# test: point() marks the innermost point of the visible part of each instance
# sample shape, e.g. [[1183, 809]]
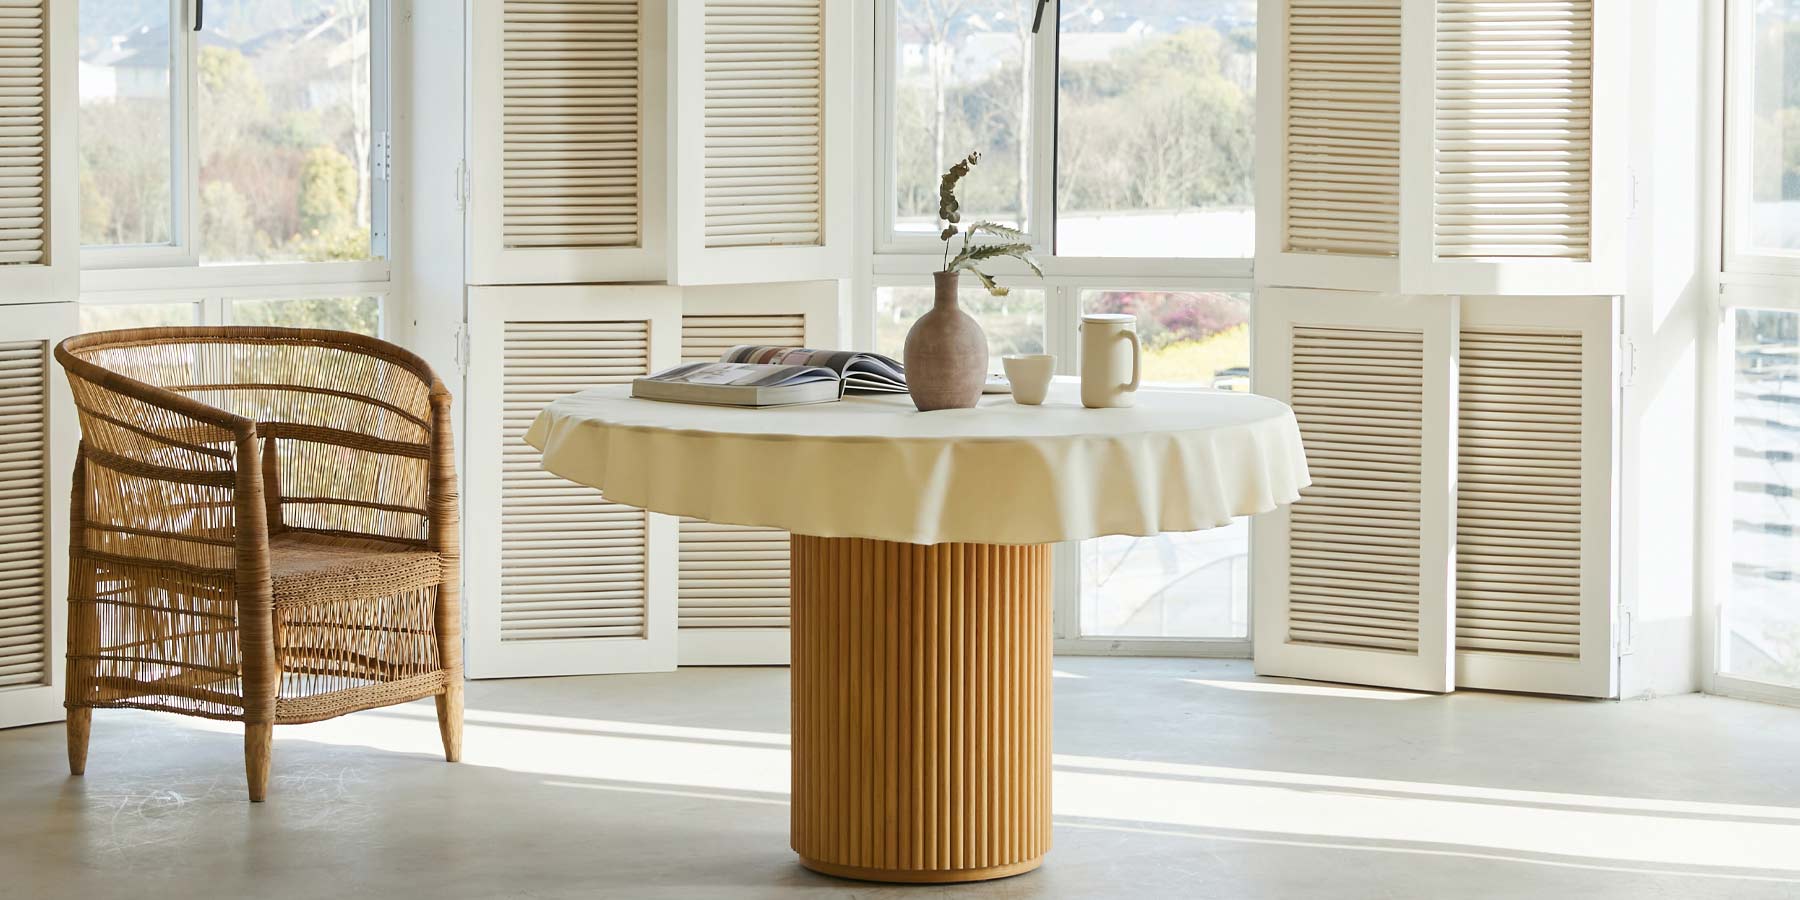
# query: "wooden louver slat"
[[1514, 129], [1519, 492], [1342, 153], [733, 576], [570, 124], [572, 565], [23, 126], [764, 122], [24, 514], [1354, 546]]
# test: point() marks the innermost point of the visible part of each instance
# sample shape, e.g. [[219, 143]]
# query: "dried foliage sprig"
[[1015, 243]]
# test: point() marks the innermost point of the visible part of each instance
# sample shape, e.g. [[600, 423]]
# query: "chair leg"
[[450, 719], [81, 722], [257, 738]]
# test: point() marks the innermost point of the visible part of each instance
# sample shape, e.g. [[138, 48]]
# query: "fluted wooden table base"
[[921, 717]]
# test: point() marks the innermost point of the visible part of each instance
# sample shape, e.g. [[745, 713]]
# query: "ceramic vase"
[[946, 353]]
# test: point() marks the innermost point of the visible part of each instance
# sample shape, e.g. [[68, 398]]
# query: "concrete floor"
[[1175, 778]]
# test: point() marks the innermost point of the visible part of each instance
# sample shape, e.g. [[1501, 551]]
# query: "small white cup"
[[1030, 375]]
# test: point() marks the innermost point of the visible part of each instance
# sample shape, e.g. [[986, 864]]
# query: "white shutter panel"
[[24, 128], [1535, 495], [566, 582], [762, 128], [765, 122], [37, 443], [566, 129], [39, 199], [1523, 153], [24, 513], [1353, 581], [1514, 129], [732, 580], [1329, 213]]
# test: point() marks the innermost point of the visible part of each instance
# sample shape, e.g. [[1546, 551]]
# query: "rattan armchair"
[[264, 530]]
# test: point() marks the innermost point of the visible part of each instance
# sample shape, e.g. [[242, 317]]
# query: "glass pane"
[[1175, 585], [1154, 129], [126, 123], [962, 75], [1772, 220], [105, 317], [1761, 634], [359, 314], [1189, 337], [284, 131], [1013, 323]]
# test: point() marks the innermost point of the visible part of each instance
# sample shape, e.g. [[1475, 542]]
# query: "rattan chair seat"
[[315, 568]]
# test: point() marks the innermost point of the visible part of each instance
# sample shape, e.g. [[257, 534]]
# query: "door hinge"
[[1627, 361], [462, 185], [381, 155], [1623, 641], [462, 349]]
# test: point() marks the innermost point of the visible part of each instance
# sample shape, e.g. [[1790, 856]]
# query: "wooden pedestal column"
[[921, 709]]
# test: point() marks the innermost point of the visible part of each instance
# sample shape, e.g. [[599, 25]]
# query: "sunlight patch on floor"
[[727, 763], [1311, 690]]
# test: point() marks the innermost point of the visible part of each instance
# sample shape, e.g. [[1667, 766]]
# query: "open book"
[[859, 371], [772, 376]]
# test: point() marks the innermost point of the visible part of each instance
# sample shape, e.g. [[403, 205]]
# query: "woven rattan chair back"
[[263, 529]]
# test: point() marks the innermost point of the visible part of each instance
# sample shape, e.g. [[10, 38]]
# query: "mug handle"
[[1137, 357]]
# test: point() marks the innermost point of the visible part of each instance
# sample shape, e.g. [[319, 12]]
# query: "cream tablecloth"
[[873, 467]]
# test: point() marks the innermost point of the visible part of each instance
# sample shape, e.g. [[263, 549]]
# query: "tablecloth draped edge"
[[546, 427]]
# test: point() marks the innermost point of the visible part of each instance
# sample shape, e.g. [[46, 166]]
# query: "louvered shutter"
[[566, 125], [1535, 511], [732, 580], [1442, 146], [561, 581], [762, 128], [1329, 164], [1523, 153], [1353, 581], [39, 197], [37, 442], [24, 121]]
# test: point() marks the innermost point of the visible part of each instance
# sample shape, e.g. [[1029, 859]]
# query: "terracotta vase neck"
[[945, 283]]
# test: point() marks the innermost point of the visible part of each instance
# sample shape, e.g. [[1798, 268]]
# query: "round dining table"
[[921, 579]]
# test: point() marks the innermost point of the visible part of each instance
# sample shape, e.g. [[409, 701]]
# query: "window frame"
[[109, 267], [174, 272], [1741, 280], [1739, 144]]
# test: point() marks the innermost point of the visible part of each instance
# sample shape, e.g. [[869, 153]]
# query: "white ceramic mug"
[[1029, 374], [1111, 360]]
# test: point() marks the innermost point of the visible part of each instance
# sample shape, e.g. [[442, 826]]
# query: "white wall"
[[1665, 316]]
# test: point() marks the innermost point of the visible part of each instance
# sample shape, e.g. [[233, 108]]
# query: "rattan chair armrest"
[[143, 392]]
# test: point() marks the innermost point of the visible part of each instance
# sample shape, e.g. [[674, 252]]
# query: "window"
[[1175, 585], [109, 316], [257, 141], [962, 81], [1760, 628], [1763, 144], [1119, 136], [1153, 129], [1147, 104], [1758, 637], [127, 126], [1013, 323], [359, 314]]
